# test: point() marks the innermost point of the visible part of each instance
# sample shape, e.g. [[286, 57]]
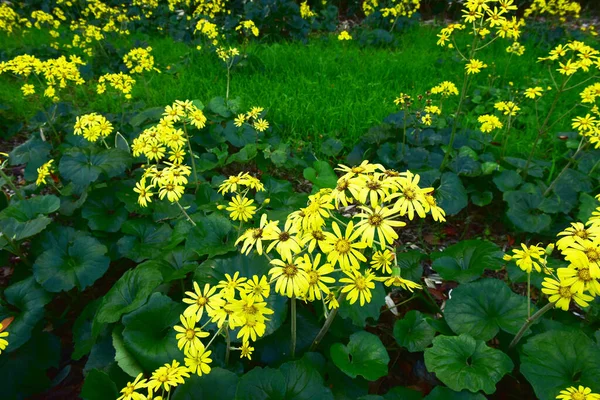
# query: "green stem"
[[293, 323], [215, 336], [528, 323], [455, 124], [228, 344], [414, 296], [186, 214], [10, 183], [187, 137], [529, 294], [327, 324], [579, 148]]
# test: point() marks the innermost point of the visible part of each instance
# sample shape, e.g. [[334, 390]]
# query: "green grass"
[[325, 88]]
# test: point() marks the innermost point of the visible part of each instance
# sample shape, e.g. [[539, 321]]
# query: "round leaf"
[[104, 211], [555, 360], [451, 194], [444, 393], [98, 386], [466, 260], [364, 355], [219, 384], [413, 332], [482, 308], [78, 265], [462, 362]]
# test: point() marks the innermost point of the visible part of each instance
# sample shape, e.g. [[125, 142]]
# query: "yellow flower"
[[400, 282], [145, 195], [529, 258], [290, 278], [261, 125], [254, 236], [374, 188], [3, 342], [317, 279], [578, 276], [239, 120], [188, 334], [256, 288], [231, 284], [168, 376], [246, 350], [532, 93], [411, 198], [344, 35], [241, 208], [172, 191], [561, 294], [129, 391], [577, 230], [200, 300], [383, 260], [358, 286], [431, 206], [475, 66], [380, 220], [43, 173], [344, 249], [28, 89], [489, 123], [286, 241], [197, 360], [580, 393], [252, 328]]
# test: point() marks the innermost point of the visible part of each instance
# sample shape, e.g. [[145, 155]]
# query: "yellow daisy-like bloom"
[[532, 93], [344, 35], [580, 393], [317, 276], [43, 173], [380, 220], [562, 294], [168, 376], [437, 212], [358, 286], [364, 168], [374, 188], [253, 237], [289, 277], [261, 125], [239, 120], [591, 249], [577, 230], [200, 300], [344, 249], [129, 391], [331, 301], [400, 282], [145, 195], [241, 208], [475, 66], [172, 191], [3, 341], [257, 289], [313, 238], [197, 360], [252, 328], [528, 258], [188, 334], [578, 276], [231, 284], [286, 241], [411, 198], [246, 350], [383, 260], [225, 314], [230, 185], [28, 89]]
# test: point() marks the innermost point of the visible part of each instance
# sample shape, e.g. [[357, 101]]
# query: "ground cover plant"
[[281, 200]]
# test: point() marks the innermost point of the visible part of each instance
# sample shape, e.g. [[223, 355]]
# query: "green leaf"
[[121, 143], [444, 393], [588, 204], [480, 309], [83, 339], [451, 194], [128, 293], [123, 356], [149, 335], [84, 166], [507, 180], [465, 261], [462, 362], [402, 393], [332, 147], [32, 150], [78, 264], [16, 230], [364, 355], [360, 314], [27, 300], [247, 153], [98, 386], [556, 360], [294, 380], [413, 332], [28, 209], [410, 264], [219, 384], [143, 239], [321, 175], [481, 199], [524, 210], [104, 211], [212, 236]]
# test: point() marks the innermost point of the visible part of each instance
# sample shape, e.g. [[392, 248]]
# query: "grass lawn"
[[325, 88]]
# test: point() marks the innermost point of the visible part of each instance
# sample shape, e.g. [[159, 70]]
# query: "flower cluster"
[[344, 35], [489, 123], [393, 8], [121, 82], [305, 11], [247, 27], [92, 126], [208, 30], [44, 172], [139, 60], [580, 246], [422, 106], [573, 57], [562, 9], [10, 20], [3, 336], [254, 118], [163, 146], [241, 207], [305, 250]]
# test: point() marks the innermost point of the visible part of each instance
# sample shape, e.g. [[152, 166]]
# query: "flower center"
[[584, 274], [257, 233], [409, 193], [592, 254], [290, 270], [582, 234], [373, 185], [360, 283], [189, 334], [318, 235], [342, 246], [343, 185], [375, 220], [201, 301], [284, 236], [163, 378], [313, 277], [565, 292]]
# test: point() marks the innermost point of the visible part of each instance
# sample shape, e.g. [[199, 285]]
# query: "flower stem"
[[10, 183], [187, 137], [528, 323], [327, 324], [579, 148], [228, 345], [293, 323], [529, 294], [185, 213]]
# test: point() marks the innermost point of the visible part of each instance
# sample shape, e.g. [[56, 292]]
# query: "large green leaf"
[[482, 308], [219, 384], [413, 332], [212, 236], [84, 166], [27, 300], [507, 180], [524, 210], [124, 358], [83, 339], [444, 393], [32, 150], [103, 211], [359, 315], [149, 335], [466, 260], [128, 293], [98, 386], [16, 230], [294, 380], [451, 194], [410, 264], [555, 360], [26, 218], [364, 355], [321, 175], [79, 264], [143, 239], [462, 362]]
